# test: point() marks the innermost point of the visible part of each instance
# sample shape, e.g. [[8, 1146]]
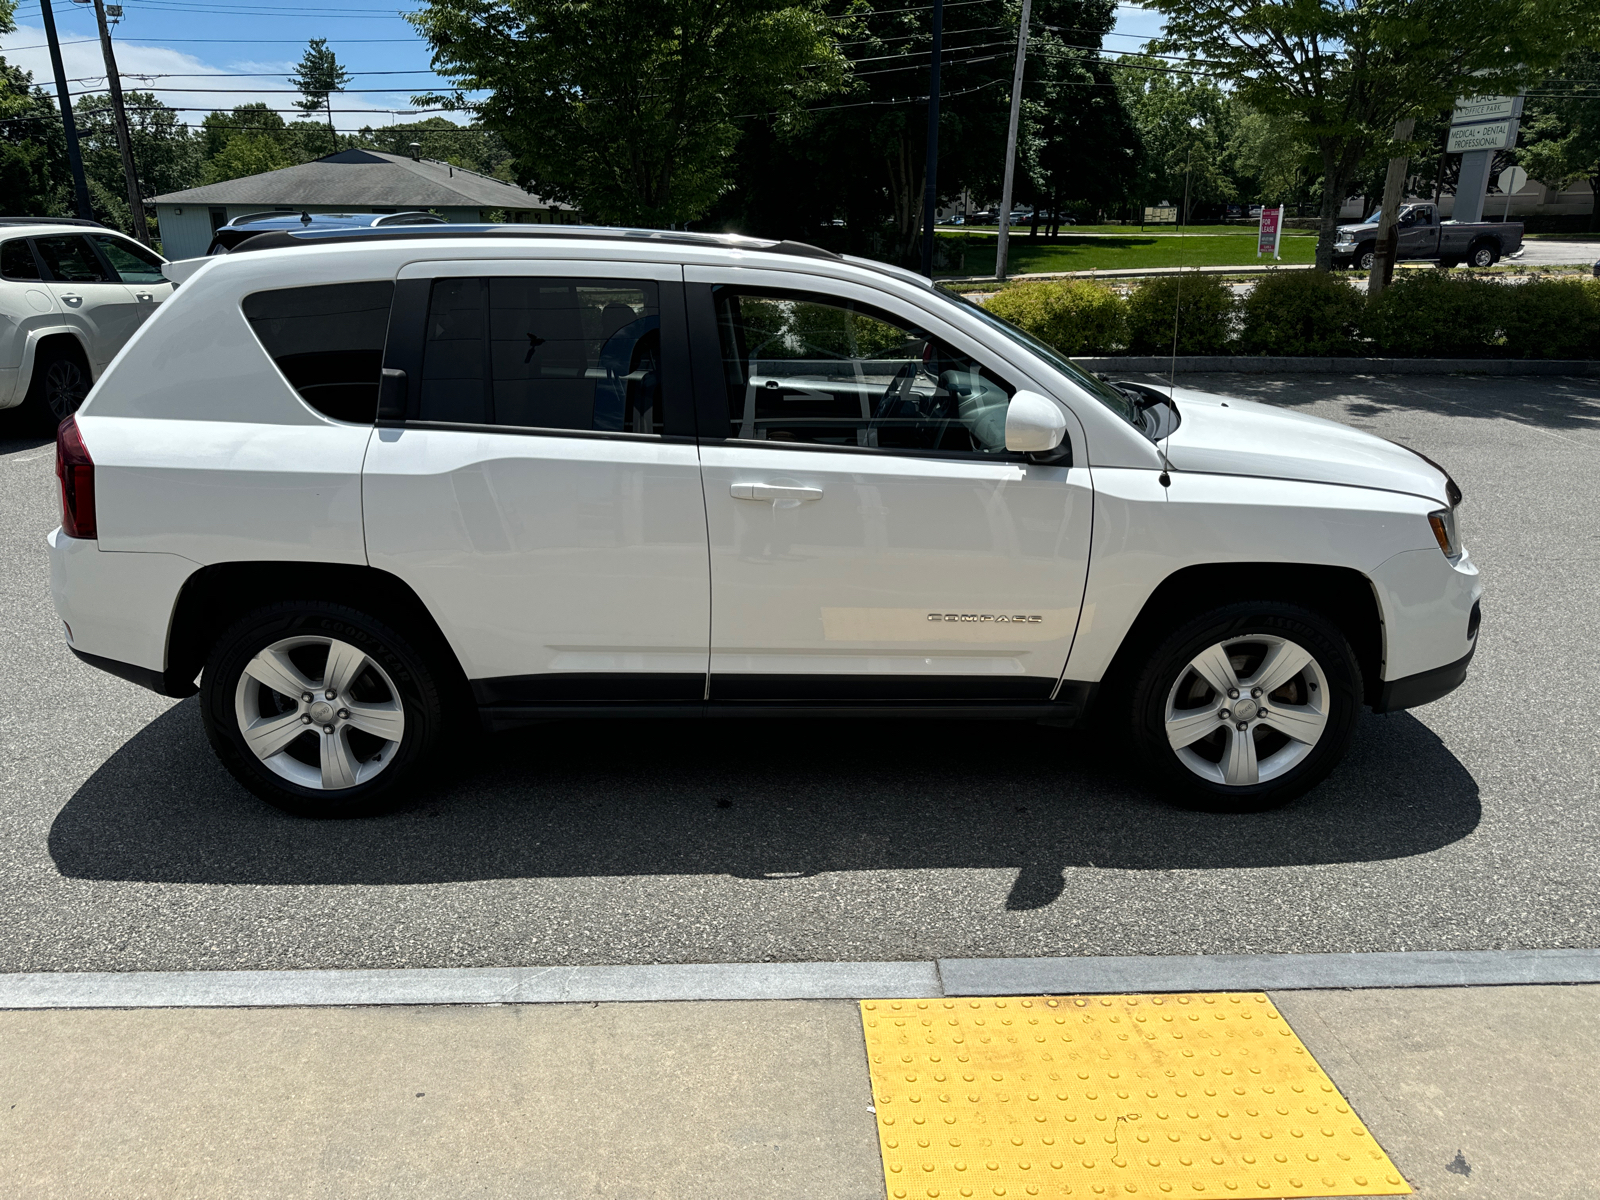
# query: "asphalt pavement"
[[1469, 824]]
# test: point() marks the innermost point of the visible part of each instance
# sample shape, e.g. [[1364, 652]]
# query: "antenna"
[[1177, 302]]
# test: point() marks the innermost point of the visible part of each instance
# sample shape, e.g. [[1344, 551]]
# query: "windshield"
[[1113, 399]]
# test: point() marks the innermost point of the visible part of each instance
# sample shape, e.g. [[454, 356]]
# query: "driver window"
[[822, 371]]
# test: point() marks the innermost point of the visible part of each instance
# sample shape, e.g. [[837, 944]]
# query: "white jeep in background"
[[367, 483], [71, 295]]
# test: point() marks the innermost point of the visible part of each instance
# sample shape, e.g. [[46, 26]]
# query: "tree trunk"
[[905, 190], [1332, 202]]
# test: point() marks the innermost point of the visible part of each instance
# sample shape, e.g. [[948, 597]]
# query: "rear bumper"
[[1424, 687], [116, 607]]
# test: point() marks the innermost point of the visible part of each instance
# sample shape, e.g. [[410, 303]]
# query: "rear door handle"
[[773, 491], [143, 296]]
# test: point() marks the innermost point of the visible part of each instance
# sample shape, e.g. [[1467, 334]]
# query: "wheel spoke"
[[344, 664], [1213, 666], [272, 668], [387, 721], [270, 735], [1239, 764], [338, 764], [1283, 663], [1300, 722], [1189, 727]]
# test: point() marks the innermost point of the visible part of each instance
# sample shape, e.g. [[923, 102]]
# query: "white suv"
[[71, 294], [366, 483]]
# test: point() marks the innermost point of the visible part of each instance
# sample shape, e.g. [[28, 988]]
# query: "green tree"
[[627, 109], [318, 76], [1561, 128], [1348, 69], [439, 138], [1184, 121]]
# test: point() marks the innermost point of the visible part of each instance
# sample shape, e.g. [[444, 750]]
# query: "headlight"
[[1447, 531]]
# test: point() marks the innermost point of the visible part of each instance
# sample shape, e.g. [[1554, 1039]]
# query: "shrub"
[[1301, 312], [1076, 317], [1431, 314], [1204, 306], [1552, 318]]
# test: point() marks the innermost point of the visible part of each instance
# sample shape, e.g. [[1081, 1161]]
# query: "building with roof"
[[350, 181]]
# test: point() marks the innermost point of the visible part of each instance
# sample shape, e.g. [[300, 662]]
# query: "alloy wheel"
[[319, 712], [1367, 260], [1247, 710], [65, 386]]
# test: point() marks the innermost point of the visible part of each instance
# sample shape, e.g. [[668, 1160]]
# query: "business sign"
[[1271, 232], [1491, 135], [1485, 108]]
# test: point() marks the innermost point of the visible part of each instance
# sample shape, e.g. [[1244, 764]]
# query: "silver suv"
[[71, 295]]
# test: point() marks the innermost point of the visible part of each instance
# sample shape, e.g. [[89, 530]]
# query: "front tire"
[[319, 709], [1366, 258], [1248, 706]]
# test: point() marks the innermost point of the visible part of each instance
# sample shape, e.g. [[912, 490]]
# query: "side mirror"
[[1035, 424]]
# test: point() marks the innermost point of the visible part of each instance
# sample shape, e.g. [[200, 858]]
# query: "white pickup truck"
[[1424, 236]]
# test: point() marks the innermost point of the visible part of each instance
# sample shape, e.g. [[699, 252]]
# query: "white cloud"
[[144, 67]]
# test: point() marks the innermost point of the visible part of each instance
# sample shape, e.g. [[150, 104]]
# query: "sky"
[[202, 55]]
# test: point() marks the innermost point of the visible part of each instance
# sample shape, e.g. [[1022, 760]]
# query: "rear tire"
[[1291, 690], [59, 384], [1482, 256], [319, 709]]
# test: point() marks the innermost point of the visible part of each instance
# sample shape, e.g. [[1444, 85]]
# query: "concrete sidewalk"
[[1488, 1091]]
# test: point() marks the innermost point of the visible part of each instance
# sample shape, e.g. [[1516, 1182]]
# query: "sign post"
[[1479, 126], [1270, 235]]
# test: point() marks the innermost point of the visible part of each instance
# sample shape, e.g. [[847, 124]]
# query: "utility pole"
[[1004, 245], [119, 116], [80, 186], [1388, 228], [930, 174]]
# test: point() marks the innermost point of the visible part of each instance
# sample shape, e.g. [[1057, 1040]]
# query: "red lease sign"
[[1271, 225]]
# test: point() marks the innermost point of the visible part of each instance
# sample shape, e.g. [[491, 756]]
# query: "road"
[[1471, 823]]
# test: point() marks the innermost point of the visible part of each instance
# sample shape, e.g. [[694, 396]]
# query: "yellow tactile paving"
[[1110, 1096]]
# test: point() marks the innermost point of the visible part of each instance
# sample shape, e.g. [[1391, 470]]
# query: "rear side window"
[[70, 259], [550, 353], [16, 261], [328, 342], [131, 261]]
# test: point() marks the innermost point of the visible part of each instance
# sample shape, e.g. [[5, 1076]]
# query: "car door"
[[542, 495], [137, 268], [871, 538], [1419, 236], [99, 306]]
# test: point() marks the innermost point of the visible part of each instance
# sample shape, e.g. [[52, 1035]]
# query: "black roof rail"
[[286, 238], [50, 221]]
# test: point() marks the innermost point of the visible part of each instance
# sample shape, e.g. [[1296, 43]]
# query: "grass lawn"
[[1122, 251]]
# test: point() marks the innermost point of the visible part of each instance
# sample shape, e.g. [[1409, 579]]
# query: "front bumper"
[[1424, 687]]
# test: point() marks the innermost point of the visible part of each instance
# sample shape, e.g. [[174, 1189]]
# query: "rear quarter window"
[[328, 342]]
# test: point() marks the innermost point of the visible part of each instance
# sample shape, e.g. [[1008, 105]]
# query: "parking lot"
[[1471, 823]]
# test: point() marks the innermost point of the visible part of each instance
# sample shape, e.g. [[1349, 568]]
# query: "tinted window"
[[804, 368], [16, 261], [131, 261], [69, 259], [328, 342], [544, 353]]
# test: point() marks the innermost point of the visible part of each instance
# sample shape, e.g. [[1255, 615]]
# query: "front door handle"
[[773, 491]]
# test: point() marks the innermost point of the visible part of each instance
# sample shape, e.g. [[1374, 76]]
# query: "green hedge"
[[1075, 317], [1203, 307], [1423, 314], [1301, 313]]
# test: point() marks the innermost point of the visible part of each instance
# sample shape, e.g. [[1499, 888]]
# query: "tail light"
[[75, 470]]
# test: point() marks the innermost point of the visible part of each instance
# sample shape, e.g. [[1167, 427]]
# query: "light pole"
[[80, 186], [1004, 245], [119, 118], [930, 174]]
